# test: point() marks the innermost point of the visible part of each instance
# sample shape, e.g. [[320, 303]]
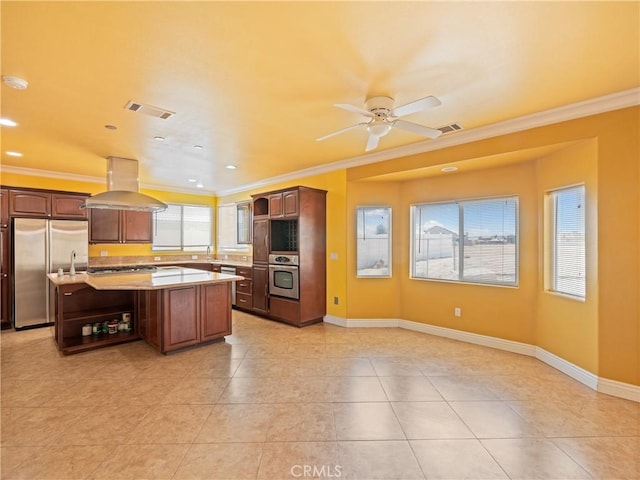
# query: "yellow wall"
[[609, 345], [565, 326]]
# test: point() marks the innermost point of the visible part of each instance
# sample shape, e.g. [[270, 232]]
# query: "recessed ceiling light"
[[449, 169], [198, 147], [192, 180], [159, 138], [15, 82], [110, 127], [231, 167], [6, 122], [14, 154], [199, 185]]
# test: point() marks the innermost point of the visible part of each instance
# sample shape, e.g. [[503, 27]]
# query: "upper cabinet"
[[44, 203], [4, 208], [120, 226], [279, 204]]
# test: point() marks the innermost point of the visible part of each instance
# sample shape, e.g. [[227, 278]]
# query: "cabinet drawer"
[[245, 272], [244, 300], [288, 310], [244, 286]]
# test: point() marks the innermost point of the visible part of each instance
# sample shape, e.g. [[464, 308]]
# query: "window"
[[487, 252], [568, 241], [182, 227], [234, 227], [373, 241]]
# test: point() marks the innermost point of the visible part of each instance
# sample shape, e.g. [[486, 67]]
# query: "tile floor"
[[323, 402]]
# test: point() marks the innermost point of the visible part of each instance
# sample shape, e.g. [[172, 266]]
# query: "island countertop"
[[163, 277]]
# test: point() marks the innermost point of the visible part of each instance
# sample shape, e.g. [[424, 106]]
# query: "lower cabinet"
[[285, 310], [77, 305], [260, 288], [180, 317]]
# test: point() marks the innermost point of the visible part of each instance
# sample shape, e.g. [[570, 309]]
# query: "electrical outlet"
[[194, 257], [156, 259], [104, 253], [457, 312], [335, 300]]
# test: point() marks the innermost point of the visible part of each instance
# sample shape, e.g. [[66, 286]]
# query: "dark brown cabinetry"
[[261, 240], [291, 221], [5, 318], [42, 203], [180, 317], [120, 226], [244, 288], [260, 288], [77, 304]]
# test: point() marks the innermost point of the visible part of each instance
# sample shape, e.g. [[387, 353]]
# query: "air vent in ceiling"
[[454, 127], [149, 110]]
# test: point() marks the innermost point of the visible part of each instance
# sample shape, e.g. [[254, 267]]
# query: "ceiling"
[[254, 84]]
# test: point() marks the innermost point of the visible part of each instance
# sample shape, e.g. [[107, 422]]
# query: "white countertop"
[[163, 277]]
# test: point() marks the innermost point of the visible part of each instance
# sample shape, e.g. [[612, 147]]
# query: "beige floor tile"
[[36, 426], [349, 367], [61, 463], [605, 457], [306, 389], [464, 388], [133, 462], [260, 367], [31, 393], [302, 422], [366, 421], [237, 423], [251, 390], [357, 389], [534, 458], [494, 420], [12, 457], [556, 419], [220, 461], [102, 425], [315, 350], [383, 460], [396, 367], [430, 420], [216, 366], [409, 389], [196, 390], [456, 460], [170, 424], [308, 460]]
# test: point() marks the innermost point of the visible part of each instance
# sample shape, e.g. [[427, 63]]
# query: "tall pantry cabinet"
[[291, 221]]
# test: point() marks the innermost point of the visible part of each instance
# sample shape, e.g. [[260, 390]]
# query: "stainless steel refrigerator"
[[43, 246]]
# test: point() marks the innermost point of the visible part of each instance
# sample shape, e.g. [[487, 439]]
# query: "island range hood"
[[122, 185]]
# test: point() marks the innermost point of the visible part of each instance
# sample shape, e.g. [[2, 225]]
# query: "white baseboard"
[[568, 368], [603, 385], [619, 389]]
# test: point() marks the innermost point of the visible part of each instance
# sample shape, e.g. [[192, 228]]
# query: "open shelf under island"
[[171, 308]]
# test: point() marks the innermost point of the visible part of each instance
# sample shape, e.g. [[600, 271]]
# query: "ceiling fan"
[[383, 117]]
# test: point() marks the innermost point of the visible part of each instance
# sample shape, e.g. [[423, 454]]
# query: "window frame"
[[182, 247], [243, 247], [551, 265], [388, 212], [460, 256]]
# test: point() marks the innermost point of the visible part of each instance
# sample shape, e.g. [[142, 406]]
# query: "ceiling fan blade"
[[342, 130], [372, 142], [416, 106], [419, 129], [353, 108]]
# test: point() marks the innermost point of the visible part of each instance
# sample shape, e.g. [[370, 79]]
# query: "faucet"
[[72, 270], [208, 250]]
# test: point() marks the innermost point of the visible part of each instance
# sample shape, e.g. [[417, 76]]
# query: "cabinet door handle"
[[68, 294]]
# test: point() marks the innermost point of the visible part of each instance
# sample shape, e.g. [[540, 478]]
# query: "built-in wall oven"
[[283, 276]]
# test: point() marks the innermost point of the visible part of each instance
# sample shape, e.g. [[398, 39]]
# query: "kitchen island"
[[170, 308]]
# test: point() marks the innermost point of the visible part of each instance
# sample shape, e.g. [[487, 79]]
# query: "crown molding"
[[594, 106]]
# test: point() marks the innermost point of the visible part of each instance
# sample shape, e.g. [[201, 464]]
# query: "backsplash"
[[165, 259]]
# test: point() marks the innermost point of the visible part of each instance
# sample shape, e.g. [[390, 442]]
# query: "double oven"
[[283, 276]]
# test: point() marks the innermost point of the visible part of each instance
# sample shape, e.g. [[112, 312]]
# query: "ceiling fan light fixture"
[[379, 129]]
